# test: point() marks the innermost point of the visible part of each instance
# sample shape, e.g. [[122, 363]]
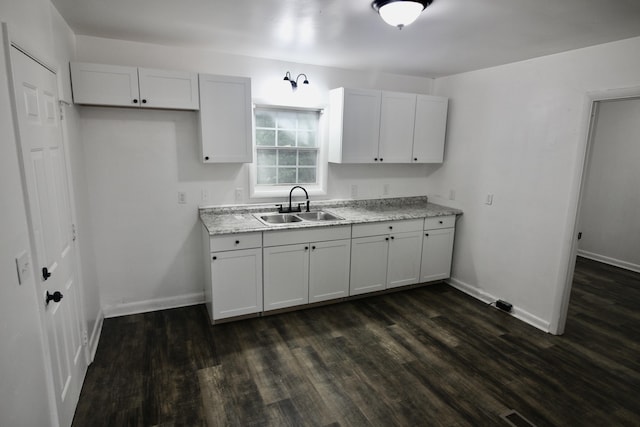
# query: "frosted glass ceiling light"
[[400, 13]]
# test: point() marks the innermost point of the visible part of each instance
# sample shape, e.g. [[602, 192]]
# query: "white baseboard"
[[95, 336], [486, 297], [153, 305], [608, 260]]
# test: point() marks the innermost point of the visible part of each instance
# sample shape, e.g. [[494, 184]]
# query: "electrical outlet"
[[452, 194], [385, 189], [182, 197], [205, 195], [239, 197], [354, 191]]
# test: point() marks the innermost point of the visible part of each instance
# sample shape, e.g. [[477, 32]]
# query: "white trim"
[[95, 336], [608, 260], [570, 241], [486, 297], [153, 305]]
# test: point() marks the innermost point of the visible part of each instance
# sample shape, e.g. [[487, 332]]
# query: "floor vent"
[[513, 418]]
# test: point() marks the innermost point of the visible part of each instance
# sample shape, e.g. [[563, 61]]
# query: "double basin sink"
[[287, 218]]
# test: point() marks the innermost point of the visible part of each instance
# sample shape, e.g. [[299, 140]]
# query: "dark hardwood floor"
[[429, 356]]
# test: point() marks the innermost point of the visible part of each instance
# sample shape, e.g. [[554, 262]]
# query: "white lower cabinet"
[[303, 266], [385, 255], [437, 248], [234, 276]]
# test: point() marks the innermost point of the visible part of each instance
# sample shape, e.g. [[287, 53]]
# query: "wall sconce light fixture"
[[400, 13], [294, 83]]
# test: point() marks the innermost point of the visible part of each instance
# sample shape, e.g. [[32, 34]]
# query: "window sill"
[[280, 192]]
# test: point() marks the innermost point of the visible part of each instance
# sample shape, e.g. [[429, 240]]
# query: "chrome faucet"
[[292, 209]]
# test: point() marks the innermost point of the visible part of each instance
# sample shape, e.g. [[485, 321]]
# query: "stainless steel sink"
[[279, 218], [318, 216], [286, 218]]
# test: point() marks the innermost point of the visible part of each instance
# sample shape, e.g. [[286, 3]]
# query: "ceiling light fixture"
[[294, 83], [399, 13]]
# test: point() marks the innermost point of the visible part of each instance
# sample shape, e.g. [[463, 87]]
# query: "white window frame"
[[278, 191]]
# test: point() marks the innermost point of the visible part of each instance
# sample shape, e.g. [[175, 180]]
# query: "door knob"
[[45, 273], [56, 297]]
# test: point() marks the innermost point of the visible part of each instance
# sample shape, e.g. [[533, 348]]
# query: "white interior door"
[[43, 157]]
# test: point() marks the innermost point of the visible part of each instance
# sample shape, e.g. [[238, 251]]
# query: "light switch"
[[23, 265], [489, 200]]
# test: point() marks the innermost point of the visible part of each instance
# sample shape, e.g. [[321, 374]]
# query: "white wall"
[[610, 212], [516, 131], [136, 162]]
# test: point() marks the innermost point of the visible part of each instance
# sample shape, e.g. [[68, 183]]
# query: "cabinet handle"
[[381, 159], [440, 222], [426, 234], [386, 238], [144, 101], [313, 248], [237, 242], [391, 227], [206, 157], [375, 159], [392, 237], [135, 101], [214, 258], [306, 248], [415, 159]]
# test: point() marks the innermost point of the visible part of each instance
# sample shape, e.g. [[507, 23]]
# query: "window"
[[287, 147]]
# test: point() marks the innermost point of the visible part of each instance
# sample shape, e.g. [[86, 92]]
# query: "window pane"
[[265, 137], [307, 176], [287, 157], [286, 175], [306, 139], [307, 120], [286, 139], [307, 158], [266, 157], [265, 119], [287, 120], [266, 175]]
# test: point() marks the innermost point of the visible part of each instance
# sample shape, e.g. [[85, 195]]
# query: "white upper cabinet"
[[429, 130], [397, 119], [225, 119], [354, 125], [372, 126], [112, 85]]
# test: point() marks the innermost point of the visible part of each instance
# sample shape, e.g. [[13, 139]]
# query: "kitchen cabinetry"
[[437, 248], [302, 266], [385, 255], [112, 85], [225, 119], [234, 276], [372, 126]]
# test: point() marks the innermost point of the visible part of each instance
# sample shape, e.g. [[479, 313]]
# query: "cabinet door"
[[397, 118], [368, 264], [236, 278], [329, 270], [404, 259], [430, 127], [225, 119], [286, 276], [98, 84], [168, 89], [437, 250], [360, 126]]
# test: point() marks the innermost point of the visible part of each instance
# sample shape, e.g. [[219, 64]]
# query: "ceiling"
[[451, 36]]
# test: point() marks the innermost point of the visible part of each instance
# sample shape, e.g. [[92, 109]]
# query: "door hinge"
[[579, 235], [85, 337], [73, 232]]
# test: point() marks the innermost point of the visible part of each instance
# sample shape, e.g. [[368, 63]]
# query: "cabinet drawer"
[[320, 234], [230, 242], [386, 227], [433, 223]]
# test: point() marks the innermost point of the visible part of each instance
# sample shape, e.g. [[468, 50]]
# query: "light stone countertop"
[[239, 218]]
